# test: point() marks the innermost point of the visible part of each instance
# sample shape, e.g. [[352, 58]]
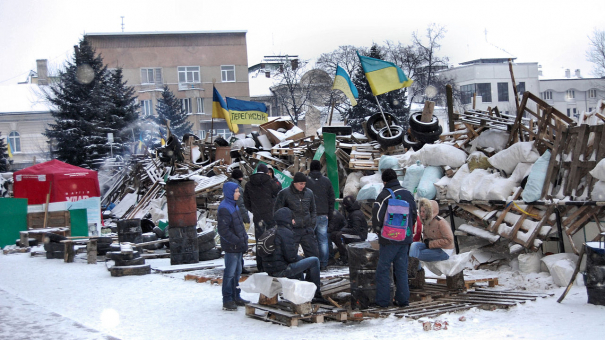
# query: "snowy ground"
[[50, 299]]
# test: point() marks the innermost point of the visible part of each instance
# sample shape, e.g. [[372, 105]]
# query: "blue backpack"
[[396, 219]]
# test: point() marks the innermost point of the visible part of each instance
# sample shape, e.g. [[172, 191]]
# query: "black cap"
[[237, 174], [315, 165], [299, 177], [389, 175], [262, 168]]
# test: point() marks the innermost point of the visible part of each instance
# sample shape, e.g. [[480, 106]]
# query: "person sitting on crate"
[[284, 261], [356, 229]]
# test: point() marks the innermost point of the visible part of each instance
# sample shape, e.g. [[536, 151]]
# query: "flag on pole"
[[219, 110], [343, 82], [246, 112], [10, 154], [383, 76]]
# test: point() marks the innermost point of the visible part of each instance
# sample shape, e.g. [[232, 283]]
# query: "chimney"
[[42, 67], [578, 73], [567, 73]]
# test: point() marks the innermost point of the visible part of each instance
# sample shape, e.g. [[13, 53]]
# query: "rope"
[[525, 212]]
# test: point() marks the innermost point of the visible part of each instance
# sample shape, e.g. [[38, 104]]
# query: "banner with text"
[[245, 112]]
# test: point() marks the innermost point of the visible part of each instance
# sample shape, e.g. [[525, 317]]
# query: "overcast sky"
[[553, 33]]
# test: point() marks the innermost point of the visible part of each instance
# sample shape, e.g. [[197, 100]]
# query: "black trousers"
[[306, 238]]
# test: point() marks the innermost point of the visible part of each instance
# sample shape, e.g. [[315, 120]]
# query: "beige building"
[[187, 62]]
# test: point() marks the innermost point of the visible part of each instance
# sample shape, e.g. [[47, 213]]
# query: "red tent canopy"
[[69, 183]]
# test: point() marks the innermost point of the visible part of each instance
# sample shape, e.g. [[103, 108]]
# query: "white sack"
[[507, 160], [483, 186], [521, 171], [370, 191], [599, 171], [598, 192], [492, 138], [426, 187], [352, 184], [441, 186], [442, 155], [407, 158], [261, 283], [450, 267], [243, 143], [561, 267], [453, 188], [297, 291], [413, 174], [529, 263], [387, 162], [372, 179], [501, 189], [467, 187]]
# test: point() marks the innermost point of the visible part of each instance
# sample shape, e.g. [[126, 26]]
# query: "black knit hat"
[[389, 175], [299, 177], [262, 168], [237, 174], [315, 165], [348, 201]]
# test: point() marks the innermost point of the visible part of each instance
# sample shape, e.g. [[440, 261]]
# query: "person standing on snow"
[[234, 242], [237, 176], [324, 201]]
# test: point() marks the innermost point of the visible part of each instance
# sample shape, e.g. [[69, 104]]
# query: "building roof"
[[487, 61], [22, 98], [163, 33]]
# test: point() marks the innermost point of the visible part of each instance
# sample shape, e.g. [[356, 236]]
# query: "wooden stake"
[[512, 76], [450, 107], [50, 187], [427, 111], [331, 112], [91, 251], [573, 276]]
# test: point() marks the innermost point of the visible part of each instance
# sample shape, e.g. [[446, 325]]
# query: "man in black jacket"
[[259, 198], [302, 203], [285, 261], [324, 201], [356, 226], [395, 252]]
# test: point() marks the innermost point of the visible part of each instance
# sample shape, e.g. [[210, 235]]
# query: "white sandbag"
[[407, 158], [264, 142], [483, 186], [478, 160], [521, 171], [261, 283], [467, 188], [441, 187], [453, 188], [352, 184], [372, 179], [387, 162], [243, 143], [492, 138], [450, 267], [370, 191], [529, 263], [426, 187], [535, 182], [442, 155], [599, 171], [501, 189], [297, 291], [506, 160], [413, 174], [598, 192], [561, 267]]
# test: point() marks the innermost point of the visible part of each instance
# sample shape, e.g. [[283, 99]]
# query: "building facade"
[[187, 62], [573, 95]]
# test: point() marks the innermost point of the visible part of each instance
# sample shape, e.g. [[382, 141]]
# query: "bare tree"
[[345, 56], [426, 73], [596, 53]]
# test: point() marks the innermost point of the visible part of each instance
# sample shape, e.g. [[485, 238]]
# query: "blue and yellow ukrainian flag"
[[247, 112], [343, 82], [10, 153], [219, 110], [383, 76]]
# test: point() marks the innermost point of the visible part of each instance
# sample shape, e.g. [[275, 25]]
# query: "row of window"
[[485, 91], [225, 133], [569, 94], [186, 75], [186, 104]]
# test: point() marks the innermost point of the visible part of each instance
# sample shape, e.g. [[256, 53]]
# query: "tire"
[[52, 246], [386, 140], [409, 144], [211, 254], [375, 123], [417, 124], [147, 225], [427, 137], [206, 236], [50, 237], [203, 247], [55, 255]]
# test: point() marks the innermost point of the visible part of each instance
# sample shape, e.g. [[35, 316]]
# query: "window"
[[502, 92], [570, 94], [15, 141], [228, 73], [146, 108], [572, 110], [200, 104], [151, 76], [592, 93], [225, 133], [485, 91], [575, 112], [201, 134], [467, 93], [189, 74], [521, 87], [186, 104], [547, 95]]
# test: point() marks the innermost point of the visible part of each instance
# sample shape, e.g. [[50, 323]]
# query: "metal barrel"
[[182, 209], [363, 260], [130, 231]]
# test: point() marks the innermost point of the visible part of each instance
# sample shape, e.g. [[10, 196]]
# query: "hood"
[[315, 174], [350, 204], [283, 217], [260, 178], [431, 207], [229, 190]]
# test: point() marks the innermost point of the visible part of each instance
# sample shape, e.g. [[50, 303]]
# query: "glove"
[[426, 242]]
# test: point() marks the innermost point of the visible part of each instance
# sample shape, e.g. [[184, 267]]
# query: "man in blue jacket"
[[392, 252], [234, 242]]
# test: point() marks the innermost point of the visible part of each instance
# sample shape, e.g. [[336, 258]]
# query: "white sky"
[[553, 33]]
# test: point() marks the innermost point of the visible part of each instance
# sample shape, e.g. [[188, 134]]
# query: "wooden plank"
[[494, 226]]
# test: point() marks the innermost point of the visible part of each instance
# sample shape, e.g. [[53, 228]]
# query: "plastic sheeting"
[[450, 267], [370, 191], [561, 267]]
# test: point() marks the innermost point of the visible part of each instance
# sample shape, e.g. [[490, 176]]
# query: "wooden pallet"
[[335, 286], [418, 310], [430, 292], [282, 315], [491, 282]]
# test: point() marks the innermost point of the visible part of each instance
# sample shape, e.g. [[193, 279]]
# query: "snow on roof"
[[259, 84], [22, 98]]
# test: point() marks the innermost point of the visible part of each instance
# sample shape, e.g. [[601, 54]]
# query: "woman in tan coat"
[[438, 239]]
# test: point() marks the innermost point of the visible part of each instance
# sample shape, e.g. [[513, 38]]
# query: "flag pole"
[[212, 120], [331, 111], [384, 117]]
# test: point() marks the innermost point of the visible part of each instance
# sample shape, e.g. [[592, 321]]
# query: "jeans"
[[397, 254], [421, 252], [321, 233], [295, 270], [233, 269]]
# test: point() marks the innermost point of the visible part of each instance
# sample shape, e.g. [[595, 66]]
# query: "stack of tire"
[[207, 246], [128, 263], [377, 130], [103, 245], [421, 132], [363, 260], [53, 246]]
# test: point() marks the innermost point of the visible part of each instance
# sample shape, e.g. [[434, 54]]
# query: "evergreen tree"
[[122, 113], [392, 102], [81, 106], [3, 155], [170, 108]]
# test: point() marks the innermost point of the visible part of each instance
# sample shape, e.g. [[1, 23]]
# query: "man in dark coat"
[[392, 252], [285, 261], [335, 224], [234, 242], [324, 201], [259, 198], [356, 226], [302, 203]]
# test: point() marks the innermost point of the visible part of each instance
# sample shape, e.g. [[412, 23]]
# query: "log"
[[69, 251], [427, 112], [91, 251], [267, 301], [23, 239]]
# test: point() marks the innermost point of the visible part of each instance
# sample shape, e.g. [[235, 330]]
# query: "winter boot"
[[230, 306], [241, 302]]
